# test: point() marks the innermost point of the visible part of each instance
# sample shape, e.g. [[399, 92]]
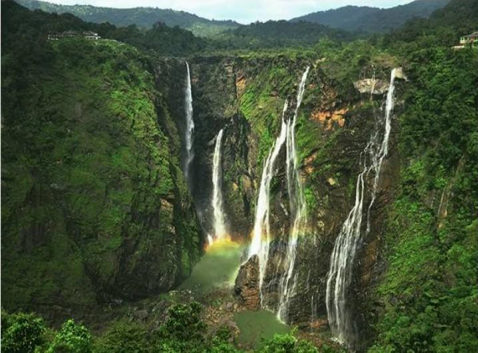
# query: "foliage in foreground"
[[183, 331]]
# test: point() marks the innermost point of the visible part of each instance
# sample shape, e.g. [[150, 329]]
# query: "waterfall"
[[298, 208], [261, 236], [189, 138], [342, 259], [217, 204]]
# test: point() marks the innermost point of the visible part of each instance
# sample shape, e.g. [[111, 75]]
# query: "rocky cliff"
[[246, 96], [94, 205], [96, 209]]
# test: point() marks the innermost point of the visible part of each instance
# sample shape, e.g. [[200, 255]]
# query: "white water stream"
[[346, 245], [219, 223], [261, 236], [298, 208], [189, 133]]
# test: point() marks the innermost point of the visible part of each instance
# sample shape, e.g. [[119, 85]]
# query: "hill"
[[143, 17], [373, 20], [443, 28], [277, 34]]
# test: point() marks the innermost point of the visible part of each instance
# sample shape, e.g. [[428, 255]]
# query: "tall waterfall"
[[261, 236], [217, 203], [298, 207], [342, 260], [189, 138]]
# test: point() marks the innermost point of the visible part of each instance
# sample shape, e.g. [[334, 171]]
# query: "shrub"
[[287, 344], [72, 338], [124, 337], [22, 332]]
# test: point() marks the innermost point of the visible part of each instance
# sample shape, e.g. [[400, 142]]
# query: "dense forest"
[[371, 19], [143, 17], [102, 231]]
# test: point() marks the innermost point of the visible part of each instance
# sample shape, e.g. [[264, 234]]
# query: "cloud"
[[244, 11]]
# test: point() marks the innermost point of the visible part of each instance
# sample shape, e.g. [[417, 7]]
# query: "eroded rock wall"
[[246, 96]]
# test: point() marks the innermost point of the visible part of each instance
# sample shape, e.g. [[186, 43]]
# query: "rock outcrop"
[[246, 97], [246, 287], [372, 86]]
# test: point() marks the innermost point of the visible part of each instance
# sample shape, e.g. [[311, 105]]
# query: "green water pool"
[[217, 268], [256, 326]]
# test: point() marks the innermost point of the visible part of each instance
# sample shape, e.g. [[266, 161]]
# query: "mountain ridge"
[[373, 19], [143, 17]]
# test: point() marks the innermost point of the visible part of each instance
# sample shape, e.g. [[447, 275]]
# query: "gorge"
[[207, 202]]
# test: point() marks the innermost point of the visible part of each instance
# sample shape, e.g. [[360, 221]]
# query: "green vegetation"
[[72, 338], [277, 34], [91, 194], [182, 331], [372, 19], [95, 207], [287, 344], [429, 290], [142, 17], [21, 332]]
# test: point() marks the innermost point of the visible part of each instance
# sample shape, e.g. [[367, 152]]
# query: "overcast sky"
[[244, 11]]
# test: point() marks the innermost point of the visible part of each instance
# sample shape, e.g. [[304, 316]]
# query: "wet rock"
[[371, 86], [246, 288], [400, 74]]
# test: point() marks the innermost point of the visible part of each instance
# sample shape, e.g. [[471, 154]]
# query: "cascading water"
[[220, 230], [189, 138], [261, 236], [341, 263], [298, 208]]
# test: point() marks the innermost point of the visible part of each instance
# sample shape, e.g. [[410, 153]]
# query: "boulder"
[[372, 86], [246, 288]]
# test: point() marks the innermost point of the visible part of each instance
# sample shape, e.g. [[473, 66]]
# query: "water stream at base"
[[346, 245]]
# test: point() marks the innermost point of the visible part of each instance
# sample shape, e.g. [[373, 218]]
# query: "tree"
[[22, 333], [72, 338]]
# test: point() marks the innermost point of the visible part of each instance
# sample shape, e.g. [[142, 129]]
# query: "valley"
[[284, 187]]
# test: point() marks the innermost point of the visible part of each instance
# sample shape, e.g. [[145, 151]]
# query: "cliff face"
[[246, 96], [94, 204], [96, 209], [425, 207], [105, 214]]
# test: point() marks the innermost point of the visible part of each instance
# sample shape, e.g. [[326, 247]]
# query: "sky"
[[243, 11]]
